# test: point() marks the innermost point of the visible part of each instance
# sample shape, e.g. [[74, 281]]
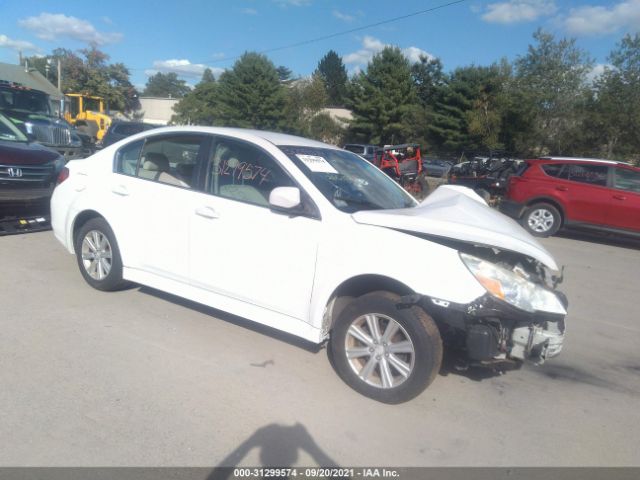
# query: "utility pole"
[[59, 75]]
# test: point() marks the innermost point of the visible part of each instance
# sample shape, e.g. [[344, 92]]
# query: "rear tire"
[[383, 351], [98, 255], [542, 220]]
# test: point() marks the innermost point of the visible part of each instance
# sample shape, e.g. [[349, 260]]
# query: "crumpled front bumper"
[[537, 343], [492, 330]]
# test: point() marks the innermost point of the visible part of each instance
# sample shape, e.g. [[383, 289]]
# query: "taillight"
[[63, 175]]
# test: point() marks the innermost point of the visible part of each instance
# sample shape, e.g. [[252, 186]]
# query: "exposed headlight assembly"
[[511, 287]]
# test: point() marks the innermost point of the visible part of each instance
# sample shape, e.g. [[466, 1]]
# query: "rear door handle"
[[120, 190], [562, 189], [207, 212], [619, 197]]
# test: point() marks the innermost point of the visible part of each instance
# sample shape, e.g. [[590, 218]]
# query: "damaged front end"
[[521, 317]]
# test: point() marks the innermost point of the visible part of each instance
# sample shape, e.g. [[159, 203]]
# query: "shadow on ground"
[[235, 320], [279, 446], [611, 239]]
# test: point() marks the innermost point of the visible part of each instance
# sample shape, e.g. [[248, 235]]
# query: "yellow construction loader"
[[87, 113]]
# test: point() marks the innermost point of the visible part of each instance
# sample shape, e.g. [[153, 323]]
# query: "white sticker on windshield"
[[317, 164]]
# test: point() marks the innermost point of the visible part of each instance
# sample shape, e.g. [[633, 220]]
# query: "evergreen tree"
[[383, 99], [250, 95], [199, 106], [334, 74], [284, 74], [207, 76], [166, 85]]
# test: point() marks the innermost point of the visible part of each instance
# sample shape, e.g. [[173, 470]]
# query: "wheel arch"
[[80, 219], [550, 201], [355, 287]]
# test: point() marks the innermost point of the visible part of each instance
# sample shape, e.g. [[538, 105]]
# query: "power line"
[[336, 34]]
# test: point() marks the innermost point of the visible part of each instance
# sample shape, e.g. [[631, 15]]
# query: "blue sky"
[[187, 36]]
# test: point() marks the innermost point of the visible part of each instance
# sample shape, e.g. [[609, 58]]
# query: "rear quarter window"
[[552, 169]]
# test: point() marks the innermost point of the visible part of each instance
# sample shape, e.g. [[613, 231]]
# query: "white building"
[[157, 110]]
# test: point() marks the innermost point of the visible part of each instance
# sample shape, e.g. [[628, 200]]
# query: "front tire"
[[98, 255], [542, 220], [385, 351]]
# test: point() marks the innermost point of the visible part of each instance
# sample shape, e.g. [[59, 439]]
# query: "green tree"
[[304, 100], [207, 76], [90, 73], [552, 78], [614, 121], [284, 74], [166, 85], [334, 74], [383, 99], [199, 106], [251, 95], [429, 79]]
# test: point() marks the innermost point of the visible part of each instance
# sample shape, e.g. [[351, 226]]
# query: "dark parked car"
[[436, 167], [486, 176], [365, 151], [28, 170], [549, 193], [120, 129]]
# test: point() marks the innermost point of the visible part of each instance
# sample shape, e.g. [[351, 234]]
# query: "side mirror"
[[285, 198]]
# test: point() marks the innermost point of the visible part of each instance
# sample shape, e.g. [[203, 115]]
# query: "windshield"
[[32, 101], [92, 104], [349, 182], [9, 132]]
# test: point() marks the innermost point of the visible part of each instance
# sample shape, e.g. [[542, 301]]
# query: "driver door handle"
[[120, 190], [619, 197], [207, 212], [562, 189]]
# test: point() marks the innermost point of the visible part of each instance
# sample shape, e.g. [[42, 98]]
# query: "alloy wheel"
[[96, 254], [379, 350], [540, 220]]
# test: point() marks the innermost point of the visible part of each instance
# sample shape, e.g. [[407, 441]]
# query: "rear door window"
[[590, 174]]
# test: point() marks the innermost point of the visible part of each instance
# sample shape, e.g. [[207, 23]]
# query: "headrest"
[[155, 162]]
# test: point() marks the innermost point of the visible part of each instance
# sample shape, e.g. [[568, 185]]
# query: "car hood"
[[23, 153], [459, 213]]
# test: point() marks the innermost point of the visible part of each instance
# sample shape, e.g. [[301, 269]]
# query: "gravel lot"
[[141, 378]]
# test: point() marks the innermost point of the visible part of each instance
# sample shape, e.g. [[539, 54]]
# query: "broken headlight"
[[511, 287]]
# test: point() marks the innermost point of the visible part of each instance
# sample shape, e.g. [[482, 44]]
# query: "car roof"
[[279, 139], [582, 160]]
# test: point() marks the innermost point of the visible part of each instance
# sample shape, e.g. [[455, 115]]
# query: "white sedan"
[[313, 240]]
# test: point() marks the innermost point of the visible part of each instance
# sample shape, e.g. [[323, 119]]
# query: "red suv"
[[553, 192]]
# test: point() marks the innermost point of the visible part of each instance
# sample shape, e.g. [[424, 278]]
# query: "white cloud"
[[293, 3], [249, 11], [600, 20], [597, 70], [343, 16], [218, 56], [515, 11], [53, 26], [17, 45], [371, 46], [183, 68]]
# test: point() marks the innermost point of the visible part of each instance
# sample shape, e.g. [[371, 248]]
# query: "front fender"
[[425, 267]]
